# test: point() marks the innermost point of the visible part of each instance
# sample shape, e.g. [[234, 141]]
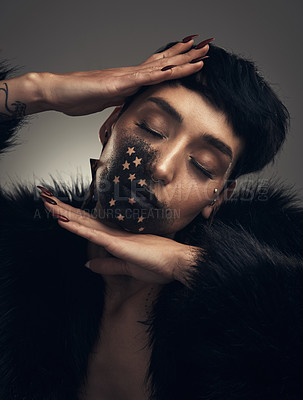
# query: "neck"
[[120, 289]]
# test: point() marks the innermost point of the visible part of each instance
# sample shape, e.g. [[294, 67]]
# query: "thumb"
[[108, 266]]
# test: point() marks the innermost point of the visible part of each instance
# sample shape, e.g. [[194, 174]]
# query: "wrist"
[[22, 95], [36, 86], [29, 89], [187, 260]]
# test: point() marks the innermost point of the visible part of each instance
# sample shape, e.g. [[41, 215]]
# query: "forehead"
[[181, 106]]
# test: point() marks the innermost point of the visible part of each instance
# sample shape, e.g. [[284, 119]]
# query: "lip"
[[144, 201], [143, 197]]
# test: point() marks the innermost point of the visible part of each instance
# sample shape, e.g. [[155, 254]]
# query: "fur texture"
[[236, 334]]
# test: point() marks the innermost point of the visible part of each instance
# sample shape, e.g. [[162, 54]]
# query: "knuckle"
[[188, 56], [154, 57], [136, 75]]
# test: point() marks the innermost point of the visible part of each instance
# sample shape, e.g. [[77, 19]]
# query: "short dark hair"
[[234, 86]]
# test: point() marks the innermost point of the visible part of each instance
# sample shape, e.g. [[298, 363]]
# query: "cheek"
[[108, 150], [188, 195], [187, 199]]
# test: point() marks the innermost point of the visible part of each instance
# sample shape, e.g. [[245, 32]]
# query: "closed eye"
[[146, 128], [201, 168]]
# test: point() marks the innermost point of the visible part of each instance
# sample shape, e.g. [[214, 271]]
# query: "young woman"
[[187, 294]]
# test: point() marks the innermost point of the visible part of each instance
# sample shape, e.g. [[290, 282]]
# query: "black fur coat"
[[236, 334]]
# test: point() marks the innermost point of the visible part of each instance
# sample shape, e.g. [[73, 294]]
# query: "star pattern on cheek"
[[130, 150], [126, 165], [132, 177], [142, 182], [112, 202], [137, 161], [131, 200], [116, 180], [120, 217], [140, 219], [141, 229]]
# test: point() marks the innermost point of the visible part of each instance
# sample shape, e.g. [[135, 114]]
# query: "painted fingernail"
[[87, 264], [168, 67], [188, 38], [204, 43], [44, 190], [198, 59], [63, 218], [48, 200]]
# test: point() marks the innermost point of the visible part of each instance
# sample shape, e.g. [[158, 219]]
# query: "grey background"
[[62, 36]]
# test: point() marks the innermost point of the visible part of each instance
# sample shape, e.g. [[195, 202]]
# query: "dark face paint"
[[125, 190]]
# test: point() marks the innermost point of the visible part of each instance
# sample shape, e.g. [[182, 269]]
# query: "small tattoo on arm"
[[18, 110]]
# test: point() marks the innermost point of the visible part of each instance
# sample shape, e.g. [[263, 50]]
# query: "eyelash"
[[146, 128], [205, 171]]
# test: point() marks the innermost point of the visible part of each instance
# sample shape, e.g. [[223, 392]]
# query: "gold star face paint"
[[125, 190], [126, 165]]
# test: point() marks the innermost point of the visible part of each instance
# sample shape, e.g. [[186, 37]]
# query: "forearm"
[[23, 95]]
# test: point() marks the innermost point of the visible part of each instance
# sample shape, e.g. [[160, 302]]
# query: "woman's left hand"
[[149, 258]]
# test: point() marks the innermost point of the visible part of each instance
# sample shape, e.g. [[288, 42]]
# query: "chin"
[[135, 219]]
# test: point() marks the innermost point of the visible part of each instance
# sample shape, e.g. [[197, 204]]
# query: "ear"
[[213, 206], [106, 128]]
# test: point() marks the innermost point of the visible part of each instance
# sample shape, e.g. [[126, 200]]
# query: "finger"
[[66, 207], [178, 48], [69, 214], [109, 241], [108, 266], [156, 72], [179, 59], [141, 78], [83, 218], [184, 58], [181, 71], [119, 244]]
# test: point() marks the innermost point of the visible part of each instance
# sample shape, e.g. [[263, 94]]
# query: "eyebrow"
[[206, 137], [167, 108], [218, 144]]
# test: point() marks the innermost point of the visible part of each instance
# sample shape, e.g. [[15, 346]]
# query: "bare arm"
[[21, 96], [87, 92]]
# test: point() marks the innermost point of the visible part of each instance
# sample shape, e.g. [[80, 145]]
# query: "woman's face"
[[166, 155]]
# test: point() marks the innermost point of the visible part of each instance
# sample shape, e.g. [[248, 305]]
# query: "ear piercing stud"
[[214, 200]]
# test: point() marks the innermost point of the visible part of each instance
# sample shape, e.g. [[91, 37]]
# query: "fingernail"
[[87, 264], [44, 190], [188, 38], [204, 43], [168, 67], [63, 218], [198, 59], [48, 200]]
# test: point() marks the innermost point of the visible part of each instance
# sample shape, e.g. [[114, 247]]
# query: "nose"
[[168, 162]]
